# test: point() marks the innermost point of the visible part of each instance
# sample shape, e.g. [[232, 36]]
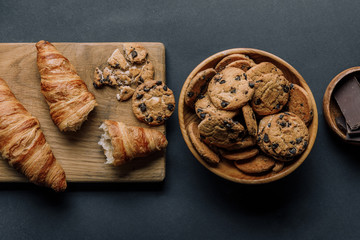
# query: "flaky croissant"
[[67, 95], [23, 144], [123, 143]]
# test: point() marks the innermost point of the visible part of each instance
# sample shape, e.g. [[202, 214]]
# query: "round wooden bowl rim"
[[327, 98], [314, 124]]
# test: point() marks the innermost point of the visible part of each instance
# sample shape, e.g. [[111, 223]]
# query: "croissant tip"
[[41, 43]]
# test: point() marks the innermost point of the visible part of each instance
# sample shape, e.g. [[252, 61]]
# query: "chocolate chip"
[[259, 81], [292, 142], [199, 110], [165, 88], [134, 54], [282, 124], [139, 96], [171, 107], [286, 113], [292, 150], [222, 81], [288, 124], [142, 107], [159, 83], [269, 124], [286, 88], [299, 140], [202, 115], [301, 104], [266, 138], [251, 84], [146, 89], [233, 90], [190, 94], [305, 144], [149, 119], [291, 86], [237, 78], [246, 92], [259, 139], [96, 86], [275, 145], [224, 104], [201, 96], [228, 125], [258, 101], [141, 80], [159, 119], [277, 106], [217, 79], [245, 76], [281, 116]]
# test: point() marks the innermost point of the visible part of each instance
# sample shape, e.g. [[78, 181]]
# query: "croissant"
[[123, 143], [23, 144], [65, 92]]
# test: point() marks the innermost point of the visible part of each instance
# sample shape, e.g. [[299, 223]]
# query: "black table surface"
[[320, 200]]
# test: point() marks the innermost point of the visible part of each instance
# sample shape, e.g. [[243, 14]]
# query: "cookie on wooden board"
[[153, 102], [135, 53]]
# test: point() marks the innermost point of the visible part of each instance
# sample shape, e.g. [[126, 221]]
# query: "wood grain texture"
[[330, 107], [78, 153], [226, 169]]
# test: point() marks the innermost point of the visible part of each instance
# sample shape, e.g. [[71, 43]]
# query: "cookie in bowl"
[[249, 116]]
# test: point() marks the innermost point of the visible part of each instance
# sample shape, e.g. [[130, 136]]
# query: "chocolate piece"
[[347, 97], [352, 133], [341, 123]]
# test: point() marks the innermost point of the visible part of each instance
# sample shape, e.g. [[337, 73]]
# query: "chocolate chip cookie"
[[135, 53], [239, 154], [256, 165], [232, 58], [250, 119], [198, 86], [271, 94], [204, 151], [245, 142], [300, 103], [230, 89], [284, 137], [220, 131], [263, 68], [242, 64], [205, 108], [146, 73], [153, 102], [117, 60]]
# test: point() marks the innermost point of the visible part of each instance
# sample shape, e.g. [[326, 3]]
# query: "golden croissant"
[[123, 143], [23, 144], [65, 92]]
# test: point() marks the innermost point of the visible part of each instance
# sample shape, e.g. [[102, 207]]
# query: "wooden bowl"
[[330, 108], [226, 169]]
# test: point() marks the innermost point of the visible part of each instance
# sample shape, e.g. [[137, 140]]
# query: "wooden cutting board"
[[79, 154]]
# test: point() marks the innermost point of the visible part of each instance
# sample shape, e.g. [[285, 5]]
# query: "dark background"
[[320, 200]]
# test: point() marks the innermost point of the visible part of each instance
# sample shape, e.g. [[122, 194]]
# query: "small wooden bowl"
[[226, 169], [330, 108]]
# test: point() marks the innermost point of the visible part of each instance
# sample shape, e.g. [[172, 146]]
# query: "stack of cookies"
[[249, 114]]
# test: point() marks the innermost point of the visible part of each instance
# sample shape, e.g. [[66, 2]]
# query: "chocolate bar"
[[347, 97]]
